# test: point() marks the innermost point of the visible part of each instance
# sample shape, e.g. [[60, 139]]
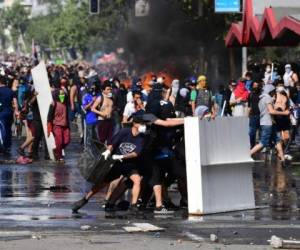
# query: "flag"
[[34, 54]]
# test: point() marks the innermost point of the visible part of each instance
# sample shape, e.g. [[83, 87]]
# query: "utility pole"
[[244, 60]]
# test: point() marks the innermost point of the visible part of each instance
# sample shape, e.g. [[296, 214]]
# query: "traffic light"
[[94, 6]]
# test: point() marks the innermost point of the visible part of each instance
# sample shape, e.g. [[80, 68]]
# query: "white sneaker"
[[288, 157]]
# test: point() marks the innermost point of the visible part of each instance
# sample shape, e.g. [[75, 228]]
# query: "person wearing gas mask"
[[289, 77], [58, 123], [103, 108], [91, 119], [125, 149], [268, 78]]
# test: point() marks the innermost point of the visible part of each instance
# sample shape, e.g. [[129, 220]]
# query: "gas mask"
[[142, 129]]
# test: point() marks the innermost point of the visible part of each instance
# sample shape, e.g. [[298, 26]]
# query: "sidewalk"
[[113, 242]]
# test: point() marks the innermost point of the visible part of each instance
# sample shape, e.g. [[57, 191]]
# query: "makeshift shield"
[[92, 165]]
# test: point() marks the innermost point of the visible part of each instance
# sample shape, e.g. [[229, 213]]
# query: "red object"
[[265, 32], [62, 139], [241, 92], [49, 128]]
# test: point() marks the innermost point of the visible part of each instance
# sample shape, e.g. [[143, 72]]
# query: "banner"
[[44, 99]]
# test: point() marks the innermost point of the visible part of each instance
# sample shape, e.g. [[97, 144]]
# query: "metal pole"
[[244, 60]]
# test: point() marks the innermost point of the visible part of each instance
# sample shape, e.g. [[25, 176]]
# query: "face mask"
[[268, 70], [61, 98], [142, 129], [109, 95], [288, 71]]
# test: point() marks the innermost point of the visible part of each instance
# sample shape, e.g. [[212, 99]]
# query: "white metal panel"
[[219, 166], [44, 98], [227, 188], [193, 165], [224, 140]]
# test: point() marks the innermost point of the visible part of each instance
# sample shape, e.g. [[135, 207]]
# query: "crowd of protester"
[[142, 125]]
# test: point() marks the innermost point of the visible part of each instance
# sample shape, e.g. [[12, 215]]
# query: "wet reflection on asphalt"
[[41, 195]]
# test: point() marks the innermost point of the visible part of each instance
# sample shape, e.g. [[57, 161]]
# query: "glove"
[[106, 154], [49, 128], [118, 157]]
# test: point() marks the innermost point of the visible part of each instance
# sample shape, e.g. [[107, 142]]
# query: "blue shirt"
[[90, 117]]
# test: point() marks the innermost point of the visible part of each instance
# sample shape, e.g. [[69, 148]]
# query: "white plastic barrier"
[[44, 99], [219, 166]]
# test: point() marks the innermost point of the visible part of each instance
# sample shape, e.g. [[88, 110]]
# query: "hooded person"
[[268, 129], [289, 77], [58, 123], [154, 98], [239, 99], [174, 91], [136, 87]]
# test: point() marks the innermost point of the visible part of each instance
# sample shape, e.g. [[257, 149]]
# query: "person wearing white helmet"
[[289, 77]]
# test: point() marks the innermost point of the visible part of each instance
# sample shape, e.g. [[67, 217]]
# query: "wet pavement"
[[38, 197]]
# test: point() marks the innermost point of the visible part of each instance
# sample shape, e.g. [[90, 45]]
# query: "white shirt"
[[129, 109], [287, 78], [129, 97]]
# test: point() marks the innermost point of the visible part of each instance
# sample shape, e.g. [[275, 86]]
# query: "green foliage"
[[16, 17], [71, 25]]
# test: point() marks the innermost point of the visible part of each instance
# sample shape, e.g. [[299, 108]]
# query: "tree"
[[16, 18], [3, 37]]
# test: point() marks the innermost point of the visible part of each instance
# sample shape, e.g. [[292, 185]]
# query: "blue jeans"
[[253, 128], [7, 120], [269, 135]]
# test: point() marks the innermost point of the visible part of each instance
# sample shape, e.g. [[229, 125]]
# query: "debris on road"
[[147, 227], [143, 227], [279, 243], [213, 238], [36, 236], [85, 227]]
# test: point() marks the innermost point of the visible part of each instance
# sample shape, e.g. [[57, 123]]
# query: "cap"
[[201, 78], [288, 66]]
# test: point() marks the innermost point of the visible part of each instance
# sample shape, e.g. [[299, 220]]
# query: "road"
[[36, 199]]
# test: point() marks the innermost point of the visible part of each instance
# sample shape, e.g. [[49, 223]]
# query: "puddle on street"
[[277, 189]]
